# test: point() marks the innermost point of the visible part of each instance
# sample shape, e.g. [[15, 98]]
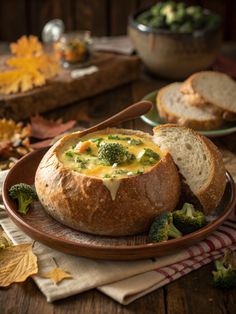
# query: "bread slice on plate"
[[215, 88], [173, 106], [199, 161]]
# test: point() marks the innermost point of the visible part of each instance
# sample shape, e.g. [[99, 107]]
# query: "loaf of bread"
[[174, 107], [215, 88], [198, 160]]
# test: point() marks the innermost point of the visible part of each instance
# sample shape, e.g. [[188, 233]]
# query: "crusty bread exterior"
[[211, 191], [214, 88], [84, 202], [173, 106]]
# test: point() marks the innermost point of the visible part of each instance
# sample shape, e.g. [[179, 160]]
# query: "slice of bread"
[[215, 88], [199, 161], [173, 106]]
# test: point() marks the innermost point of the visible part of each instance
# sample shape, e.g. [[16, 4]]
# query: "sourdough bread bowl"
[[115, 199]]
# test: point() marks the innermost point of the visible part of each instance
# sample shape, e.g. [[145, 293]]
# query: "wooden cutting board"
[[114, 70]]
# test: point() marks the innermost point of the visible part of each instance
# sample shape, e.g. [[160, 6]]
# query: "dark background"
[[102, 17]]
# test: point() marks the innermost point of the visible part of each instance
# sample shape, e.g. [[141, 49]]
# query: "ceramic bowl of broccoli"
[[175, 40]]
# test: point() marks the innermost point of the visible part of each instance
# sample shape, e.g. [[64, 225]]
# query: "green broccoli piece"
[[156, 9], [24, 194], [111, 153], [194, 10], [225, 274], [96, 140], [188, 219], [163, 228], [148, 157], [213, 21]]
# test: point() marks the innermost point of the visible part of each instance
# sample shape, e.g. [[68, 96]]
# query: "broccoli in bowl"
[[178, 17]]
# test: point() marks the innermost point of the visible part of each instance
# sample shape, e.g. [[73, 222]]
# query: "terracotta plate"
[[152, 118], [41, 227]]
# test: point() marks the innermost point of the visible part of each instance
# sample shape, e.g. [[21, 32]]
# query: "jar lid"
[[53, 30]]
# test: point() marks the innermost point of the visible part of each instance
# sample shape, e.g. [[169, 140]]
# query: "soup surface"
[[111, 156]]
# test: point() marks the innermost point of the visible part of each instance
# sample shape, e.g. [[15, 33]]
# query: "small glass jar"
[[74, 49]]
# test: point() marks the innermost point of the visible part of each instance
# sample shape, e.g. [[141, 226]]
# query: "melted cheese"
[[88, 163], [112, 185]]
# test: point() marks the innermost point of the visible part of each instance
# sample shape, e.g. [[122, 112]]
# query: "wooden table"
[[191, 294]]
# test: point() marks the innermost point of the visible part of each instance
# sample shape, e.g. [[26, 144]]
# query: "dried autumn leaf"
[[30, 67], [12, 131], [26, 46], [4, 241], [17, 263], [42, 128], [57, 275]]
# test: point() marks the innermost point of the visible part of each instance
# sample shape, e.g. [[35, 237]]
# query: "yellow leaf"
[[30, 67], [57, 275], [17, 263], [4, 241], [26, 46]]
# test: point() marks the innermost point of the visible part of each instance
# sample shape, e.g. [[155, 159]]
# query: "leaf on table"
[[57, 275], [26, 46], [4, 241], [17, 263], [29, 67], [42, 128], [14, 142]]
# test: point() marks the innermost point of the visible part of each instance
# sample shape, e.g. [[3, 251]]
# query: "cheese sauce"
[[94, 156]]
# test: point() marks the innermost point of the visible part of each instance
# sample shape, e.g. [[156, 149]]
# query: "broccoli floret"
[[225, 274], [188, 219], [163, 228], [148, 157], [111, 153], [24, 194]]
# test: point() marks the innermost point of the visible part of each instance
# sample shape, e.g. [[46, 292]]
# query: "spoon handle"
[[132, 112]]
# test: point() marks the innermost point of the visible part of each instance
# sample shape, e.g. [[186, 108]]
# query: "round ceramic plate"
[[43, 228], [152, 118]]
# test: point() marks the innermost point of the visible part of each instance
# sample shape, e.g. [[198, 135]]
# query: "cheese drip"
[[112, 185]]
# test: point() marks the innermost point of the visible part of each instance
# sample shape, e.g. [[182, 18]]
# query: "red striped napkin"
[[202, 253]]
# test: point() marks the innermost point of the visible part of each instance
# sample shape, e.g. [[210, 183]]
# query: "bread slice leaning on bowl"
[[198, 160], [111, 207]]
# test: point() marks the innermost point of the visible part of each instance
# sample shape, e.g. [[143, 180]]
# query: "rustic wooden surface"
[[113, 70], [103, 17], [191, 294]]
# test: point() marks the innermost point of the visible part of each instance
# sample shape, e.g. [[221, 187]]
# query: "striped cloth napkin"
[[122, 281]]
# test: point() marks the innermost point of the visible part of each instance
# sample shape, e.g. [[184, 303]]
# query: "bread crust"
[[211, 195], [84, 203], [191, 123], [189, 88]]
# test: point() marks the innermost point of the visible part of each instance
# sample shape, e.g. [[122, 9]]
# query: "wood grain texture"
[[91, 15], [119, 14], [63, 90], [40, 12], [103, 17], [13, 19]]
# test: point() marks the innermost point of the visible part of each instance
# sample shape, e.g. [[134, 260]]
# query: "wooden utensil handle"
[[132, 112]]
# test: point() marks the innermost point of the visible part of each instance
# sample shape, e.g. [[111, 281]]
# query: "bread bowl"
[[100, 198]]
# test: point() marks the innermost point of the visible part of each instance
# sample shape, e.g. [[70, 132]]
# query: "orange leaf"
[[30, 67], [26, 46], [17, 263], [57, 275]]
